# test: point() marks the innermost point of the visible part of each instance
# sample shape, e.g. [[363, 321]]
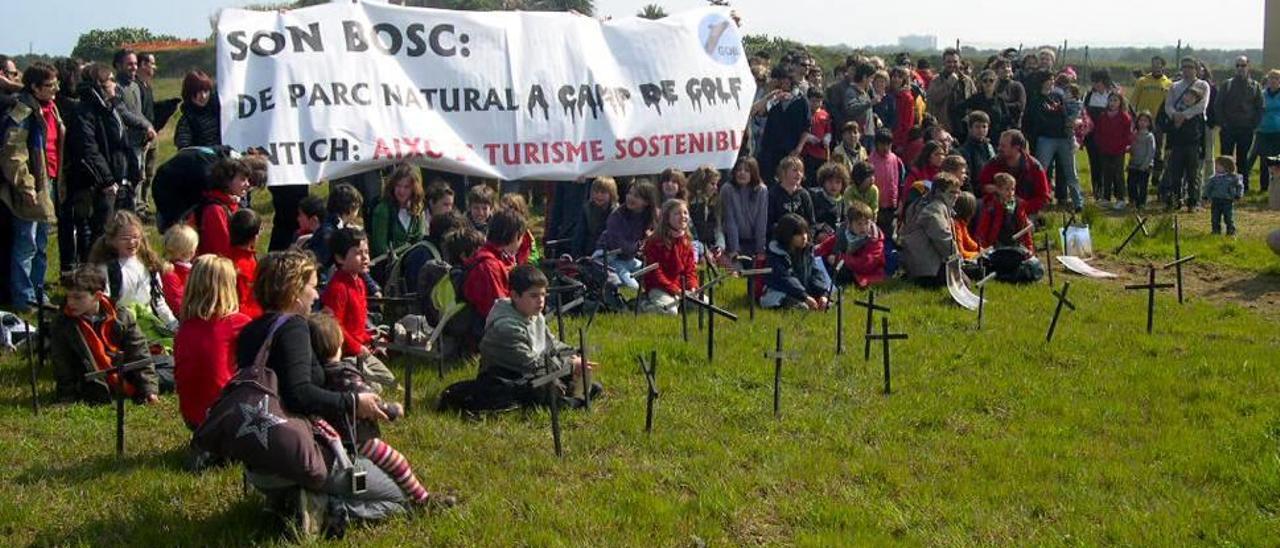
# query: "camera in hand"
[[393, 411]]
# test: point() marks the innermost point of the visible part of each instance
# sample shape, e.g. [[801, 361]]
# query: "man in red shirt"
[[1012, 158]]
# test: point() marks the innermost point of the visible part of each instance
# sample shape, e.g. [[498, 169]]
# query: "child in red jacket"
[[858, 244], [1002, 215], [1112, 135], [245, 227], [204, 354], [230, 181], [179, 248], [346, 298], [671, 248]]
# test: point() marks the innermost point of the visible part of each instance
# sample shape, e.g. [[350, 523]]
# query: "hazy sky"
[[52, 26]]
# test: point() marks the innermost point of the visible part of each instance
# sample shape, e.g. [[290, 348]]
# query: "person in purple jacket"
[[626, 228]]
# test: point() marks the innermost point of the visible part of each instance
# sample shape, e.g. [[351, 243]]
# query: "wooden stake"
[[1151, 286], [885, 337], [1057, 311]]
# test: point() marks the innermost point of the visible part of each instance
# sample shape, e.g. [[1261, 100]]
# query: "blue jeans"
[[27, 268], [623, 268], [1062, 150]]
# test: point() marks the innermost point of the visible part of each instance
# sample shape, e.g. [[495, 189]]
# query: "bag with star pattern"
[[248, 424]]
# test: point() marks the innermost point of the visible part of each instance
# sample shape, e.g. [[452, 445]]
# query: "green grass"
[[1105, 436]]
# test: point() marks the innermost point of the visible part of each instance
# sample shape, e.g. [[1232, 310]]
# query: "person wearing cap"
[[1185, 105]]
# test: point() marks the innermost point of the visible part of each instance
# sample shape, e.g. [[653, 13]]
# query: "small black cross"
[[750, 275], [885, 336], [118, 392], [872, 307], [1057, 311], [586, 370], [1048, 258], [684, 310], [982, 296], [1151, 286], [650, 372], [839, 321], [709, 307], [778, 356], [1140, 227], [1178, 259]]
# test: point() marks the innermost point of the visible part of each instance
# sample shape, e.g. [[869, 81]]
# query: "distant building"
[[918, 42]]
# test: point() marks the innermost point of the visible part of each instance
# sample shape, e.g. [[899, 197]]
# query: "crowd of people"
[[891, 170]]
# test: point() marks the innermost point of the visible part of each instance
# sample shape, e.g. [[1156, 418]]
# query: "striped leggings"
[[396, 466]]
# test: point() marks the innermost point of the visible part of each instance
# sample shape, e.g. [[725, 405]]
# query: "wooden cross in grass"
[[872, 308], [982, 296], [1141, 226], [1151, 286], [119, 371], [548, 380], [778, 355], [1057, 311], [750, 275], [649, 369], [1178, 259], [884, 337]]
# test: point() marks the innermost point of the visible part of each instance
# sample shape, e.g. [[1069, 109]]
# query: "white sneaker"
[[1120, 205]]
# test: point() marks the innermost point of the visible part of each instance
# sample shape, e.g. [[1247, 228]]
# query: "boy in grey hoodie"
[[517, 345]]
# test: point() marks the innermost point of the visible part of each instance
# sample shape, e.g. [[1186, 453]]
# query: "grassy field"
[[1106, 435]]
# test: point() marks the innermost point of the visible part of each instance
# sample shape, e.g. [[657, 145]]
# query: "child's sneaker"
[[1120, 205]]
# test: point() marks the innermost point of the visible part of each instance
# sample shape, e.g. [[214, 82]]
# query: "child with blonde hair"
[[704, 213], [180, 243], [204, 349]]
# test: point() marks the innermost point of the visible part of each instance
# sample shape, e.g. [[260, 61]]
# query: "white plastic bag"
[[1076, 241]]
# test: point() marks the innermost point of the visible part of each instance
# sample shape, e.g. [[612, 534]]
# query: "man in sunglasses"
[[10, 82], [1239, 106]]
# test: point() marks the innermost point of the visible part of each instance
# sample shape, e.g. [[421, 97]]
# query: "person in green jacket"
[[397, 219]]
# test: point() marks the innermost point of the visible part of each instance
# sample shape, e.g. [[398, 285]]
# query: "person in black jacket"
[[786, 121], [200, 124], [286, 284], [73, 209], [97, 161]]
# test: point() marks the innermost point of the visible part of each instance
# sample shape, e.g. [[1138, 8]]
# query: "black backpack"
[[179, 184]]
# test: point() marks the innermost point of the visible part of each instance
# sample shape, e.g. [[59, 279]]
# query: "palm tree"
[[652, 11]]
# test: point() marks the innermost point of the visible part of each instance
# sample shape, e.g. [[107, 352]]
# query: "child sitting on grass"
[[788, 196], [245, 227], [704, 214], [603, 202], [517, 343], [133, 273], [92, 335], [311, 214], [1003, 215], [341, 376], [862, 187], [529, 253], [1221, 191], [179, 248], [828, 198], [481, 200], [798, 280], [671, 248], [204, 350], [346, 298], [626, 228], [859, 244], [397, 220]]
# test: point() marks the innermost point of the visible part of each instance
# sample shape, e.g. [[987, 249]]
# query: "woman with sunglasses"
[[987, 100]]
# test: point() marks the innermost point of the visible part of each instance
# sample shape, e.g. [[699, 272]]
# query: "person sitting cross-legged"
[[518, 347]]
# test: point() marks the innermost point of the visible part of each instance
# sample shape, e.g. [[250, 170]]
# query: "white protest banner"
[[341, 88]]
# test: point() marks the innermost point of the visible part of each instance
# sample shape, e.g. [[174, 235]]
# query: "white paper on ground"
[[958, 285], [1077, 265]]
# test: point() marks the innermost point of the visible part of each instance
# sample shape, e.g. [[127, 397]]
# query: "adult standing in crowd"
[[1212, 124], [1011, 90], [786, 121], [1095, 105], [30, 162], [1185, 106], [1239, 106], [97, 157], [10, 82], [200, 124], [948, 91], [138, 133], [74, 209], [286, 284], [1267, 140], [988, 100], [859, 103], [1148, 95]]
